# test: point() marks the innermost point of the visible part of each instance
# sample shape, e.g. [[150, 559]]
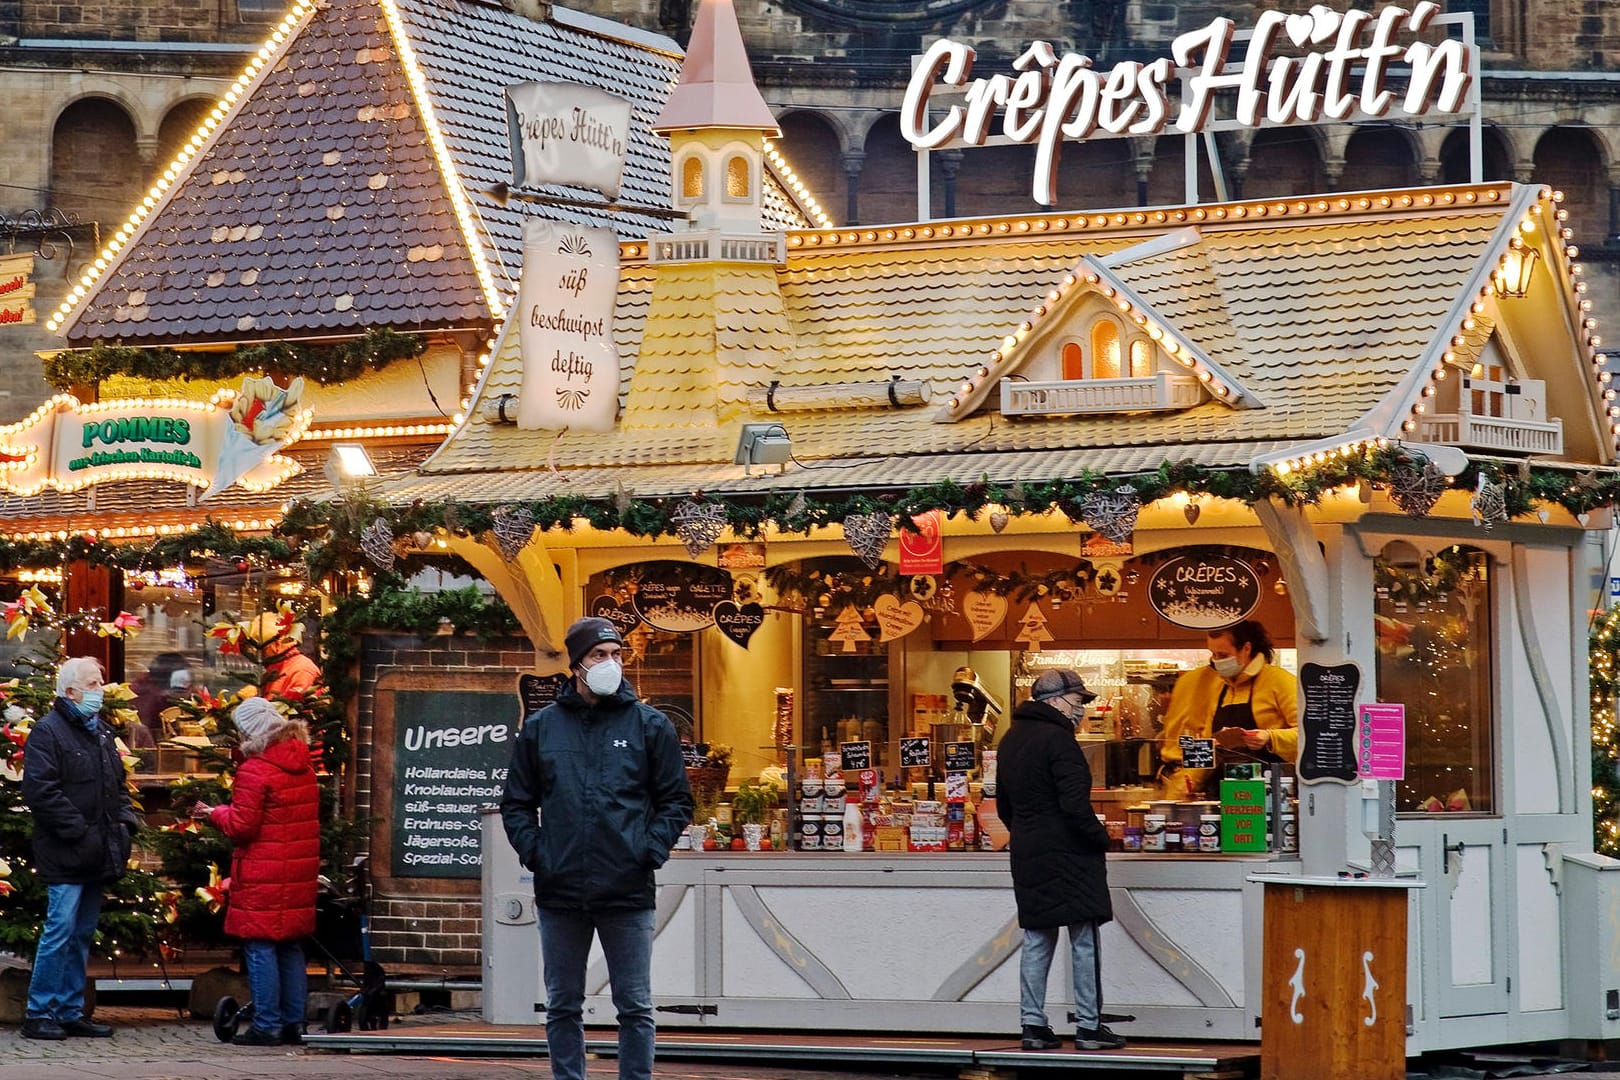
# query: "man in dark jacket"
[[84, 827], [595, 798], [1059, 866]]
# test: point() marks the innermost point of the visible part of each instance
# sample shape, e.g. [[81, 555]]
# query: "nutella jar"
[[1152, 832]]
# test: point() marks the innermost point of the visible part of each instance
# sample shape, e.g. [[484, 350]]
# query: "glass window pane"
[[1104, 350], [1073, 361], [737, 186], [1141, 360], [1434, 657], [692, 178]]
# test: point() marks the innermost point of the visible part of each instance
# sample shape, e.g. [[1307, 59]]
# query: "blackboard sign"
[[451, 751], [855, 755], [535, 692], [679, 597], [916, 753], [1327, 722], [1204, 589], [1197, 753], [958, 756]]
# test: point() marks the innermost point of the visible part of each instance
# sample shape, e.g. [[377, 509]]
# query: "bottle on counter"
[[852, 826]]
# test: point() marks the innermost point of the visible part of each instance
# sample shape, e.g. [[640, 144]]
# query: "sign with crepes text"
[[569, 285], [564, 133]]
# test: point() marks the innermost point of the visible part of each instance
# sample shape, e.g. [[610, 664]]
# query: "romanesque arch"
[[812, 145], [1284, 161], [1570, 160], [1379, 157], [93, 146]]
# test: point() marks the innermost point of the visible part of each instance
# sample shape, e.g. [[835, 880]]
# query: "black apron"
[[1239, 714]]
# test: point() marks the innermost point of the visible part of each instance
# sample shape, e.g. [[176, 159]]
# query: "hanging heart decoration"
[[867, 535], [377, 543], [1489, 504], [984, 612], [1416, 489], [894, 618], [622, 616], [738, 621], [1192, 511], [698, 525], [513, 527], [1112, 514], [998, 520]]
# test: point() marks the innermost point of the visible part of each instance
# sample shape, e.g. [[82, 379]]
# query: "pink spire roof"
[[716, 87]]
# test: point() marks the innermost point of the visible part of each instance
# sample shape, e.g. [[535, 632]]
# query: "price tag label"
[[958, 756], [692, 754], [916, 753], [855, 755], [1197, 753]]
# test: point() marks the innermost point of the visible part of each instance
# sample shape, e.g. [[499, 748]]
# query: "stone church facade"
[[101, 94]]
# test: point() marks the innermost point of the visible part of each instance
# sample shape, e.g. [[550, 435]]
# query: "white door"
[[1466, 909]]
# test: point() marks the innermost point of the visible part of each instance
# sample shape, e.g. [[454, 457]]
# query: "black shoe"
[[255, 1037], [292, 1035], [1040, 1038], [42, 1028], [1098, 1038], [86, 1029]]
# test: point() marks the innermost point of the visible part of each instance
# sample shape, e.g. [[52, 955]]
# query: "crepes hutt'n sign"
[[1339, 69]]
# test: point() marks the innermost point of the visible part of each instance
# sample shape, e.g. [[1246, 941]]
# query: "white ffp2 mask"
[[604, 678]]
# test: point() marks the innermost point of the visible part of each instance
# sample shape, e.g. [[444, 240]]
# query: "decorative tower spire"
[[717, 122]]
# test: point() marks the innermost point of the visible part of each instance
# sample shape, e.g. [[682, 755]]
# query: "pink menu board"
[[1381, 742]]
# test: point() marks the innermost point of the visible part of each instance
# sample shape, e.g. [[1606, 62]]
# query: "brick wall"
[[423, 925]]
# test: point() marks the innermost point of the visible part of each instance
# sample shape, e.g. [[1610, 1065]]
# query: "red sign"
[[923, 551]]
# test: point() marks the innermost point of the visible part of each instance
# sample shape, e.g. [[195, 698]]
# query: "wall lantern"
[[1513, 279]]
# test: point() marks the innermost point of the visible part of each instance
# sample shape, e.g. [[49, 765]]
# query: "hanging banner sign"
[[923, 551], [1337, 66], [16, 290], [209, 445], [1204, 590], [564, 133], [569, 286]]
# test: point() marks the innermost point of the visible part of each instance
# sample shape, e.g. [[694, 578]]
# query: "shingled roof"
[[320, 207], [1330, 311]]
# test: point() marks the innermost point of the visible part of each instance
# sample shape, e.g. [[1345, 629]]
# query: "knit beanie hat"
[[1059, 682], [256, 718], [586, 634]]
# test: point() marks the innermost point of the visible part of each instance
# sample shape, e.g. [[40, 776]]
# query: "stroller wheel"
[[339, 1018], [227, 1015]]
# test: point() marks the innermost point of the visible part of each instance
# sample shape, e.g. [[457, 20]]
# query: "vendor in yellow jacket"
[[1248, 705]]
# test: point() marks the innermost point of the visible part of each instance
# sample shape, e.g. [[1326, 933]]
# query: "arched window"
[[95, 171], [739, 184], [692, 178], [1104, 350], [1073, 361], [1141, 359]]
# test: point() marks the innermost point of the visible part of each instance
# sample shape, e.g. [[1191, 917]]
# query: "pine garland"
[[324, 363]]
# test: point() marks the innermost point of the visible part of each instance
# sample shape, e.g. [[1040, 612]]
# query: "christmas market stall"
[[848, 492]]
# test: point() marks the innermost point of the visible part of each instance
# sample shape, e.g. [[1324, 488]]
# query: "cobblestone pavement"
[[154, 1044]]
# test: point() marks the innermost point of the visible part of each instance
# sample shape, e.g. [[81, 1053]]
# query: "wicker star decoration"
[[1112, 513], [377, 543], [513, 526], [1416, 489], [1489, 504], [866, 535], [698, 525]]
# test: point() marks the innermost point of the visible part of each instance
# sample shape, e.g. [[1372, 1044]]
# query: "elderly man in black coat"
[[1059, 866]]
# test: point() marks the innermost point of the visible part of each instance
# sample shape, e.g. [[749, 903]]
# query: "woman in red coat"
[[273, 821]]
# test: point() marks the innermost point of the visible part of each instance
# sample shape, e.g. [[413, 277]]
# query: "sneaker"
[[1098, 1038], [42, 1027], [292, 1035], [1040, 1038], [86, 1029], [256, 1037]]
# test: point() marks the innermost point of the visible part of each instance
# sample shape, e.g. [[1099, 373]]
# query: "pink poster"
[[1381, 742]]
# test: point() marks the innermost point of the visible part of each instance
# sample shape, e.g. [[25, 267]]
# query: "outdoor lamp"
[[348, 467], [1513, 279], [764, 444]]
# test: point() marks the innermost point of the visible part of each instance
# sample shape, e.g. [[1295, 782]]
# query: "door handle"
[[1447, 849]]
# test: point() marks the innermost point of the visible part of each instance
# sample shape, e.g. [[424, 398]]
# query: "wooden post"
[[1333, 1000], [97, 589]]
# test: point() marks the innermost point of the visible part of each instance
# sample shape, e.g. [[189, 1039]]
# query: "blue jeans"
[[565, 946], [56, 988], [278, 981], [1035, 963]]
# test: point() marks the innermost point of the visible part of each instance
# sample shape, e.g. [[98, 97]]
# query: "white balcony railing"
[[1153, 393], [1502, 435]]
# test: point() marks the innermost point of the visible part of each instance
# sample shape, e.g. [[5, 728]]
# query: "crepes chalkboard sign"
[[1327, 722], [679, 597]]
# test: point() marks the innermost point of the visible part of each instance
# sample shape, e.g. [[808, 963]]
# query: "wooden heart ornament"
[[738, 621], [623, 617], [984, 612], [896, 619]]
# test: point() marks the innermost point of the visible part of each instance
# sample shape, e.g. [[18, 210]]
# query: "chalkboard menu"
[[855, 756], [535, 692], [916, 753], [1197, 753], [1327, 721], [451, 751], [958, 756]]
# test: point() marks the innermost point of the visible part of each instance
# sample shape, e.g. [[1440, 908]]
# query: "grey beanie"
[[1059, 682], [586, 634], [256, 718]]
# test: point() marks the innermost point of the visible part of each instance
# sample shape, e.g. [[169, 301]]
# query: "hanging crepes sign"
[[211, 445], [569, 287], [564, 133], [1316, 67]]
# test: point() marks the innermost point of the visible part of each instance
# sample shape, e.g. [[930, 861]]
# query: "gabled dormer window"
[[1107, 368], [1488, 408]]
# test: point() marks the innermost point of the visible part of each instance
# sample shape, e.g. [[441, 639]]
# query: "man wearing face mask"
[[1241, 699], [84, 828], [595, 798], [1059, 865]]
